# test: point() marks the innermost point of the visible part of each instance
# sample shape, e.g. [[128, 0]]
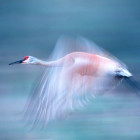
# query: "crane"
[[80, 70]]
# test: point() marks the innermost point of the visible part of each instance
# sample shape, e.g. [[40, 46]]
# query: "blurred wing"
[[67, 45], [56, 96], [59, 90], [95, 49]]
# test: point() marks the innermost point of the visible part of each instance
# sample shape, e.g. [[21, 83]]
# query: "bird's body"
[[81, 69], [90, 64], [84, 63], [72, 76]]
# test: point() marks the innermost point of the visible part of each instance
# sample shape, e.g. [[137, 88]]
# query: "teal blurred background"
[[32, 27]]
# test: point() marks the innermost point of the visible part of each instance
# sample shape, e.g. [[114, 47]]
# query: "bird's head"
[[26, 60]]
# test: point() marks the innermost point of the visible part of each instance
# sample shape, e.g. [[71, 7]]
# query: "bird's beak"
[[17, 62]]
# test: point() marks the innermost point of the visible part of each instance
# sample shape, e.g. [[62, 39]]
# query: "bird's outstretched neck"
[[57, 63], [64, 61]]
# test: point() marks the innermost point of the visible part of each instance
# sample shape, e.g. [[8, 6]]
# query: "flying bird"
[[78, 71]]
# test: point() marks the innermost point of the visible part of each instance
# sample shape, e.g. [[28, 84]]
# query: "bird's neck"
[[50, 63]]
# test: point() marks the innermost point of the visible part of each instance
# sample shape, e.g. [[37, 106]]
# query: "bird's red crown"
[[26, 57]]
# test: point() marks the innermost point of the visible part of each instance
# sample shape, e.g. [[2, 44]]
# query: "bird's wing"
[[59, 91], [66, 45], [56, 96]]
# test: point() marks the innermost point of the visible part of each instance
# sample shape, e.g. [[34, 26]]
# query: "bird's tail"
[[132, 83]]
